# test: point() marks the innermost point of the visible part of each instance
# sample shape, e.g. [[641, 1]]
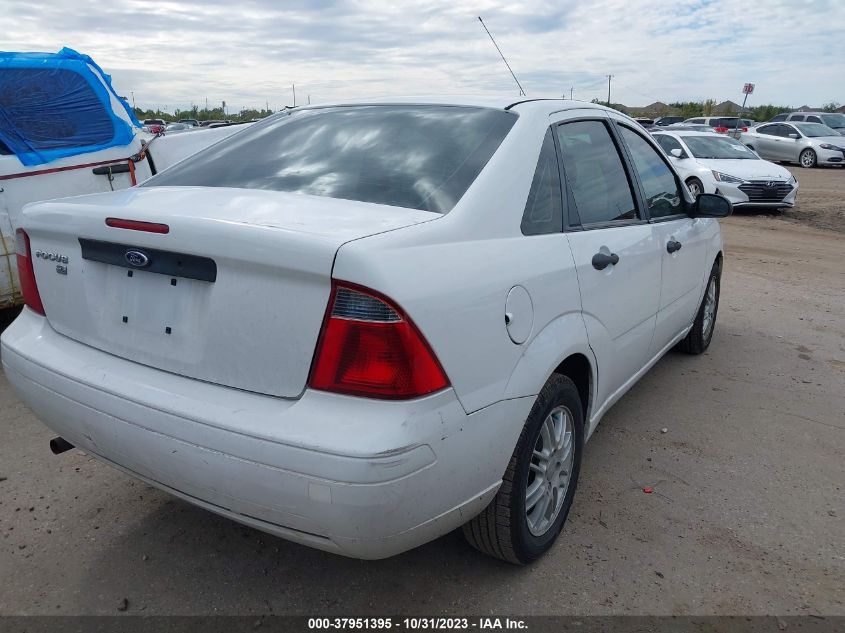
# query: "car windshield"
[[836, 121], [814, 130], [718, 147], [419, 157]]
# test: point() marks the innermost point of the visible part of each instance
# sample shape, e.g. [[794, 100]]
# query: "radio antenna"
[[521, 91]]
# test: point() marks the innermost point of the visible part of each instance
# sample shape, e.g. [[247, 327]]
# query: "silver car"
[[808, 144], [833, 120]]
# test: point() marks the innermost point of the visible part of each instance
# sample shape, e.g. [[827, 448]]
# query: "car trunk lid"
[[233, 293]]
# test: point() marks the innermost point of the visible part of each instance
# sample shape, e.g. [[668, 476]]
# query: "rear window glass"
[[52, 109], [725, 122], [419, 157]]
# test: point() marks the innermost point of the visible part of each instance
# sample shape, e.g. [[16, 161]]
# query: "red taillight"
[[369, 347], [137, 225], [29, 288], [743, 129], [720, 130]]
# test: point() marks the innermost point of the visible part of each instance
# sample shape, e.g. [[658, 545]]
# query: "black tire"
[[501, 530], [807, 158], [698, 338], [693, 183]]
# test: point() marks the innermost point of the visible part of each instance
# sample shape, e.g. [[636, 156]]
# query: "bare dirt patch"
[[820, 202]]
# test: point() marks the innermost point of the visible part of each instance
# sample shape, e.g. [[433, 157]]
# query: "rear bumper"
[[362, 478]]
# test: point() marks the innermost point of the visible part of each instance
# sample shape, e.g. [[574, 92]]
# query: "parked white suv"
[[359, 327]]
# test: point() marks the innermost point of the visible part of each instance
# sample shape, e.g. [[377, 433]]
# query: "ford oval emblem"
[[137, 259]]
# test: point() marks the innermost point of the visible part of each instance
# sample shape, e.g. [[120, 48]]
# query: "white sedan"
[[359, 327], [711, 163]]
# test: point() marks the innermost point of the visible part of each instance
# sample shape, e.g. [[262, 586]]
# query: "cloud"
[[173, 54]]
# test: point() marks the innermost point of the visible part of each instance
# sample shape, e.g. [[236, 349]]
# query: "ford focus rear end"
[[191, 332]]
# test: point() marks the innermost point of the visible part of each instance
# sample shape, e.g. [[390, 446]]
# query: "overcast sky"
[[249, 52]]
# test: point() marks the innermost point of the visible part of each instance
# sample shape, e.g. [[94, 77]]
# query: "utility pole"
[[309, 99], [133, 98], [571, 90], [293, 87], [609, 77], [206, 104]]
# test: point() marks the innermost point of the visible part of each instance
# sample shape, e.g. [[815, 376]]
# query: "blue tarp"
[[53, 105]]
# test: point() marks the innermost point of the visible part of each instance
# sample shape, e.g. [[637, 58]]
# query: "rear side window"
[[780, 117], [419, 157], [544, 209], [662, 193], [797, 117], [594, 173]]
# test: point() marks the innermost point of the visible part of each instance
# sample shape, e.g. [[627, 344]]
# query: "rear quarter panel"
[[456, 293]]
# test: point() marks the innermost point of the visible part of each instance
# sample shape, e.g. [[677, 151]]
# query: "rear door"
[[681, 239], [616, 255], [766, 142], [784, 147]]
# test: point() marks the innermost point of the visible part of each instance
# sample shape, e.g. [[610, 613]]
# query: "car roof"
[[540, 105], [692, 133]]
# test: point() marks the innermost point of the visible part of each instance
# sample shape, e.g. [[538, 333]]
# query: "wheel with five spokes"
[[527, 514], [807, 158]]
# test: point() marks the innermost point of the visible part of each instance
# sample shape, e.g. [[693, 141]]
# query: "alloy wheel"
[[550, 471]]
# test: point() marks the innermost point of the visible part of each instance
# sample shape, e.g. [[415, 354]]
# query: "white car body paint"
[[219, 413]]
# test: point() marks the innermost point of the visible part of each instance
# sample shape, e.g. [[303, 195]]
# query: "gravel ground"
[[748, 514]]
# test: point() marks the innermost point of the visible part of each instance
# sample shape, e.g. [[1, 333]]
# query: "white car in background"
[[360, 327], [711, 163]]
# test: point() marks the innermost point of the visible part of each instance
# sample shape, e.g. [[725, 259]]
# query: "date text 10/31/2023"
[[418, 623]]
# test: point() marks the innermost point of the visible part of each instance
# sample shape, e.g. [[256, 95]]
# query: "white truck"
[[64, 132]]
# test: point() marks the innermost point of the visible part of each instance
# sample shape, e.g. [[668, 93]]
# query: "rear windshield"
[[724, 122], [835, 121], [419, 157], [51, 108], [815, 130]]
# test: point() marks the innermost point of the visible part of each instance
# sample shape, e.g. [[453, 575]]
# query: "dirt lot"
[[821, 198], [748, 515]]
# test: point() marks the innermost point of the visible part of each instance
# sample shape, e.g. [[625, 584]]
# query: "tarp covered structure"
[[54, 105]]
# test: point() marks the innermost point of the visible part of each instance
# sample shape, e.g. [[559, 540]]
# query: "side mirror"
[[795, 136], [711, 205], [677, 153]]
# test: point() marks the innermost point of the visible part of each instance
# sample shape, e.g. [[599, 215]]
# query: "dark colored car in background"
[[668, 120]]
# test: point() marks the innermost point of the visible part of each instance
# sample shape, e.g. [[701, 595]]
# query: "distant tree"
[[833, 106]]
